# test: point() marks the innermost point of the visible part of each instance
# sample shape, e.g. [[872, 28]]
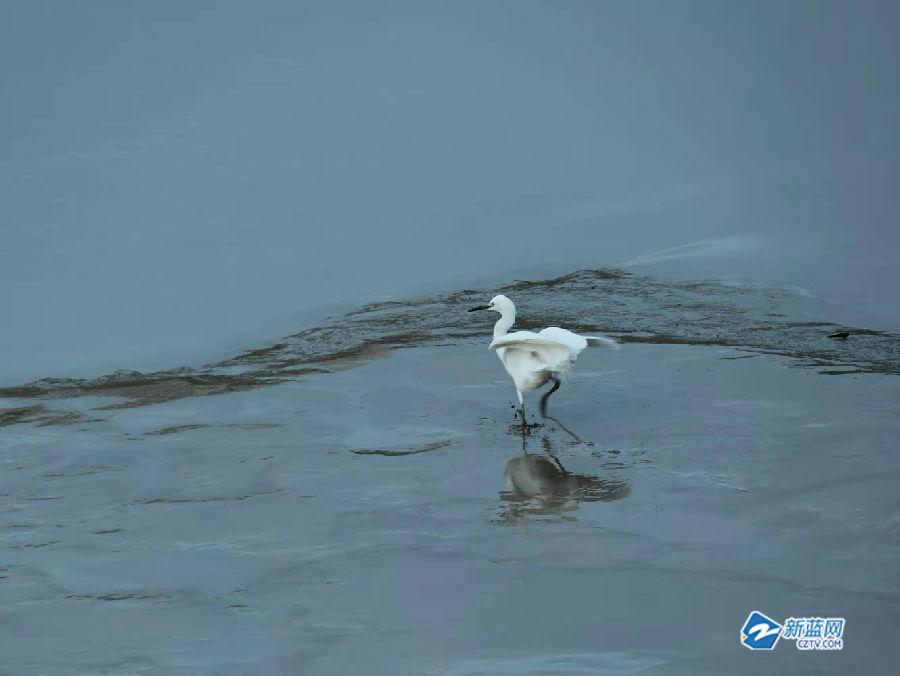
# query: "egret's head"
[[500, 304]]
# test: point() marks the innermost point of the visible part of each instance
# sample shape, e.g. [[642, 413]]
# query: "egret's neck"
[[507, 319]]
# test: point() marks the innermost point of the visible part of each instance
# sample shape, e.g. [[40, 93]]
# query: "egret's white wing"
[[501, 341], [572, 341], [602, 341], [551, 354]]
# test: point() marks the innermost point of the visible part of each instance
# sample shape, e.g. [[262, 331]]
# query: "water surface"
[[358, 497]]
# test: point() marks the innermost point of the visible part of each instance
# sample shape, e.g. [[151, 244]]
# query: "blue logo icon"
[[760, 632]]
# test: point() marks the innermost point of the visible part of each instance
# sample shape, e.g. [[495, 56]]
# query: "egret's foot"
[[524, 428]]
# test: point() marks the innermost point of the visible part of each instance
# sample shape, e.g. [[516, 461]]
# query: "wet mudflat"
[[382, 513]]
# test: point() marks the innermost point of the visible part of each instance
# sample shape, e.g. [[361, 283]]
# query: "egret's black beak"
[[480, 307]]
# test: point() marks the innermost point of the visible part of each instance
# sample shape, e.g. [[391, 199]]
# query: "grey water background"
[[180, 180], [246, 425]]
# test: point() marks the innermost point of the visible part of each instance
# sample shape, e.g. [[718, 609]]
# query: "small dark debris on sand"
[[406, 451], [223, 498], [41, 416], [175, 429]]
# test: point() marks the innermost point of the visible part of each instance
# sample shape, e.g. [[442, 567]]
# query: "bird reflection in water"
[[540, 486]]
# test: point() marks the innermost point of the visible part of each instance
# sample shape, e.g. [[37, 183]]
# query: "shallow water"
[[359, 499]]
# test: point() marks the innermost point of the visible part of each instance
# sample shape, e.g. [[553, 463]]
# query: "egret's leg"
[[547, 396], [521, 408]]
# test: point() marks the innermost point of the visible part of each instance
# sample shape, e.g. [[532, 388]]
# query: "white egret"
[[533, 359]]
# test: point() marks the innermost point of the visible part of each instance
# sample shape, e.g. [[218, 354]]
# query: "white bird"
[[532, 359]]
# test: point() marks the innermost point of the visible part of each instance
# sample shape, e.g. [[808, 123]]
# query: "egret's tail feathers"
[[601, 341]]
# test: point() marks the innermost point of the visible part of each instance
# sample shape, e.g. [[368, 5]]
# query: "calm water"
[[246, 425], [180, 182]]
